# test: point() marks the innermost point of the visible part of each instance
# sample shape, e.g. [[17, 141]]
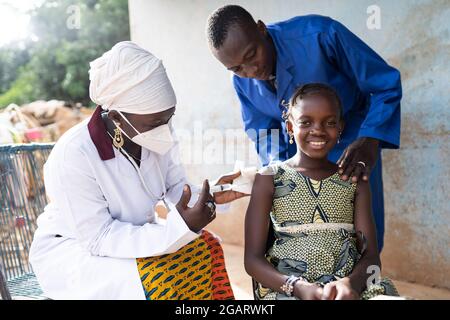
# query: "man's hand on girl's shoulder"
[[358, 159]]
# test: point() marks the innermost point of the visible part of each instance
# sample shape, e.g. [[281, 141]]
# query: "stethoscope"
[[138, 170]]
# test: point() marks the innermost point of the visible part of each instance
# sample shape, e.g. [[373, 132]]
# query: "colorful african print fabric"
[[314, 232], [194, 272]]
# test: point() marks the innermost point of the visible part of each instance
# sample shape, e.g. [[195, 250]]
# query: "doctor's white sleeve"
[[71, 184]]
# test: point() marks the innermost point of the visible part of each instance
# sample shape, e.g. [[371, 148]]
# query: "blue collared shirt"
[[314, 48]]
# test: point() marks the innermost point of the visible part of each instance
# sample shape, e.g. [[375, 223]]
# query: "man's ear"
[[261, 27]]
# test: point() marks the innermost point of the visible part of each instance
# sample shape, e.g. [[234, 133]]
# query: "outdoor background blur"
[[45, 50], [46, 47]]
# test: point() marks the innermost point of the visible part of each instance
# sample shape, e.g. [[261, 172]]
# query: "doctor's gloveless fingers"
[[228, 178], [185, 198], [204, 194]]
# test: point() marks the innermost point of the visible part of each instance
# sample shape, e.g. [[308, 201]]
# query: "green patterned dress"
[[314, 232]]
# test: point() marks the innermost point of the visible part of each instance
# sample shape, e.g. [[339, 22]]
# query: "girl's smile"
[[318, 145]]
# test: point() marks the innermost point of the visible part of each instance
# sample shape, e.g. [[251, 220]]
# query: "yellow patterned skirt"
[[194, 272]]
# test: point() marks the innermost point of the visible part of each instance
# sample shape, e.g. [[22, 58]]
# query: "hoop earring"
[[118, 139]]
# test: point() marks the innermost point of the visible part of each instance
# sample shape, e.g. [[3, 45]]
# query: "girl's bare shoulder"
[[264, 180]]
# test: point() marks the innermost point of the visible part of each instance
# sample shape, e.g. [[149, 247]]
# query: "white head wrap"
[[130, 79]]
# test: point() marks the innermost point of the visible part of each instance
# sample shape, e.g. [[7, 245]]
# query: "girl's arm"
[[256, 231], [364, 222], [352, 286]]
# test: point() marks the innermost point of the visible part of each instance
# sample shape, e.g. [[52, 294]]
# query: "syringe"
[[212, 189]]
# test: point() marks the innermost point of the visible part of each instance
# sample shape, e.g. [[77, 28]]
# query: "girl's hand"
[[307, 291], [340, 290]]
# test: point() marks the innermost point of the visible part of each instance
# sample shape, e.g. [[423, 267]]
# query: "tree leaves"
[[56, 66]]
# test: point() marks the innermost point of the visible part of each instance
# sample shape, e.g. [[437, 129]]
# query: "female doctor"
[[99, 237]]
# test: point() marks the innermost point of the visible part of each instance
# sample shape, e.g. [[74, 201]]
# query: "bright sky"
[[14, 20]]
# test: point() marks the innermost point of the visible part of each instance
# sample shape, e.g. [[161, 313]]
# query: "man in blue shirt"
[[270, 62]]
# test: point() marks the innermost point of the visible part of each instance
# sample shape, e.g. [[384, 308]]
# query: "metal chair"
[[22, 199]]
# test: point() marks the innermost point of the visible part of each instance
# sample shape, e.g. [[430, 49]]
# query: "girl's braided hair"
[[313, 89]]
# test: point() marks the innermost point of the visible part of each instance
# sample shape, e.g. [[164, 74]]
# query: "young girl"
[[322, 235]]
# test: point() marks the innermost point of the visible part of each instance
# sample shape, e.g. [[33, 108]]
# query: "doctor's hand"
[[197, 217], [358, 159], [228, 196]]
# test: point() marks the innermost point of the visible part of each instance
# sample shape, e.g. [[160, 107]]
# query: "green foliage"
[[11, 58], [21, 90], [56, 66]]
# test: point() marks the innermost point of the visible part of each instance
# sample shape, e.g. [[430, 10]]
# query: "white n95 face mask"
[[158, 140]]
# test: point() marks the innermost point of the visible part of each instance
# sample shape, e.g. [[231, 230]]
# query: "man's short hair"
[[222, 19]]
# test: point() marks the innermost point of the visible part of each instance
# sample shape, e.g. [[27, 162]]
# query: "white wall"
[[414, 37]]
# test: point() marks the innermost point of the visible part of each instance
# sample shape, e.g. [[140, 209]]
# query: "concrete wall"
[[414, 37]]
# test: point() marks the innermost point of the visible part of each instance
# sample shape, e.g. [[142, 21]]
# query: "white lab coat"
[[105, 218]]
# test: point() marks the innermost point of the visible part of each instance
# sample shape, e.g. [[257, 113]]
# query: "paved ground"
[[242, 286]]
